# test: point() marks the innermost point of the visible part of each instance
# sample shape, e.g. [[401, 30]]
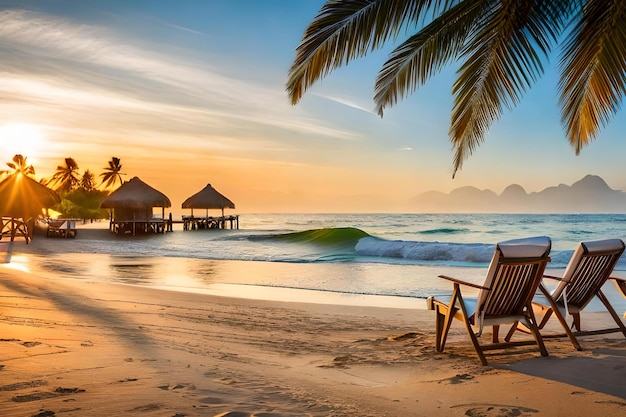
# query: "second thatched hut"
[[209, 199]]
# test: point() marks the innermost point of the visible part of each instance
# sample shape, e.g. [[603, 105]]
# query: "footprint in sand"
[[497, 410], [36, 396], [23, 385], [45, 413], [459, 378]]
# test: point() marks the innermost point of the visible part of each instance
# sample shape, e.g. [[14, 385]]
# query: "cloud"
[[186, 29], [347, 102], [87, 70]]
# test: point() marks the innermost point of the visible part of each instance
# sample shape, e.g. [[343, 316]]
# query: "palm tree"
[[88, 181], [112, 174], [501, 46], [19, 164], [66, 177]]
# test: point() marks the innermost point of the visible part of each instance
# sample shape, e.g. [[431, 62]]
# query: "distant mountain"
[[589, 195]]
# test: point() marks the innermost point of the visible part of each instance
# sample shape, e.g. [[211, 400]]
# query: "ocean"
[[375, 259]]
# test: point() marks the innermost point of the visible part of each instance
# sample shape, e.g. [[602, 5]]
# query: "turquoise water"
[[397, 255]]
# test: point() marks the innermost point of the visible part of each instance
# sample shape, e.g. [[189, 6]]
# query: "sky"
[[192, 92]]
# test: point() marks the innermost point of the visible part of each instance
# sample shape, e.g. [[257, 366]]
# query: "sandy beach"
[[70, 348]]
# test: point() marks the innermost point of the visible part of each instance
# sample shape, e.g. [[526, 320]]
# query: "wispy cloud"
[[186, 29], [91, 70], [347, 102]]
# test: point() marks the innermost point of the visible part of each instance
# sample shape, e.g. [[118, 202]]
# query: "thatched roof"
[[208, 198], [22, 196], [135, 194]]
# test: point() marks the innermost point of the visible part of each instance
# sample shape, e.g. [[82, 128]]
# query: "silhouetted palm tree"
[[19, 164], [88, 181], [66, 177], [112, 174], [501, 46]]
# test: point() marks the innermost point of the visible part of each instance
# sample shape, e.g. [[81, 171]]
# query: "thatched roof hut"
[[208, 198], [133, 202], [23, 197], [135, 194]]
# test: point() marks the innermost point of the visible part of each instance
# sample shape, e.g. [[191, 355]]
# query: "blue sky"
[[193, 92]]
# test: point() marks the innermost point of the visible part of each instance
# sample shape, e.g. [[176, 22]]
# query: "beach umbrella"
[[208, 198], [135, 194], [23, 197]]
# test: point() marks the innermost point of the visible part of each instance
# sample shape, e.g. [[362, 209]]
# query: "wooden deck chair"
[[505, 296], [588, 270]]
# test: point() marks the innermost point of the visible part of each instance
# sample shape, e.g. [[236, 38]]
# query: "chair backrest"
[[513, 276], [590, 266]]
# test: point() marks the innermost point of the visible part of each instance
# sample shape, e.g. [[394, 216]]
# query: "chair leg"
[[539, 339], [568, 331], [470, 332], [554, 309], [576, 321], [439, 320], [512, 330], [474, 339], [443, 321], [494, 334], [609, 307], [547, 313], [532, 322]]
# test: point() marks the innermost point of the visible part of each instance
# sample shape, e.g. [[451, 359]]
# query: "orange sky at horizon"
[[190, 94]]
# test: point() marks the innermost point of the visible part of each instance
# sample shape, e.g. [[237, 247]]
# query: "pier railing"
[[210, 222]]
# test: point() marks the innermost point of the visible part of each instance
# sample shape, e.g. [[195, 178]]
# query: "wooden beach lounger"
[[61, 227], [505, 296], [588, 270]]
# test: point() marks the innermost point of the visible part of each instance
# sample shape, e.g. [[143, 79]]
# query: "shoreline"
[[232, 278], [225, 277], [73, 348]]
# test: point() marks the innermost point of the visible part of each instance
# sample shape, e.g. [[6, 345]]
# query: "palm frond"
[[504, 60], [412, 63], [593, 71], [347, 29]]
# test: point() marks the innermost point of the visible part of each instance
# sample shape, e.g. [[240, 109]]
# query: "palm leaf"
[[504, 58], [412, 63], [593, 71], [348, 29]]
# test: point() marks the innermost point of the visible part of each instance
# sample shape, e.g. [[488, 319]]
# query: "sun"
[[21, 138]]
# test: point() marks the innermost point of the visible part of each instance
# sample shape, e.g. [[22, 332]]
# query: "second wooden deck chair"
[[505, 296], [588, 270]]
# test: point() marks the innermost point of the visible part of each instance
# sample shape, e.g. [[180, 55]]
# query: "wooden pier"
[[210, 222], [159, 225], [131, 227]]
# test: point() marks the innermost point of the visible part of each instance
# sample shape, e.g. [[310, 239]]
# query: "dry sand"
[[70, 348]]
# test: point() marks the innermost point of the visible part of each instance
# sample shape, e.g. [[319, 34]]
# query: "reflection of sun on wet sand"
[[73, 348]]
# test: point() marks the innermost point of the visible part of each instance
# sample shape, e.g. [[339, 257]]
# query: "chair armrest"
[[553, 277], [458, 281]]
